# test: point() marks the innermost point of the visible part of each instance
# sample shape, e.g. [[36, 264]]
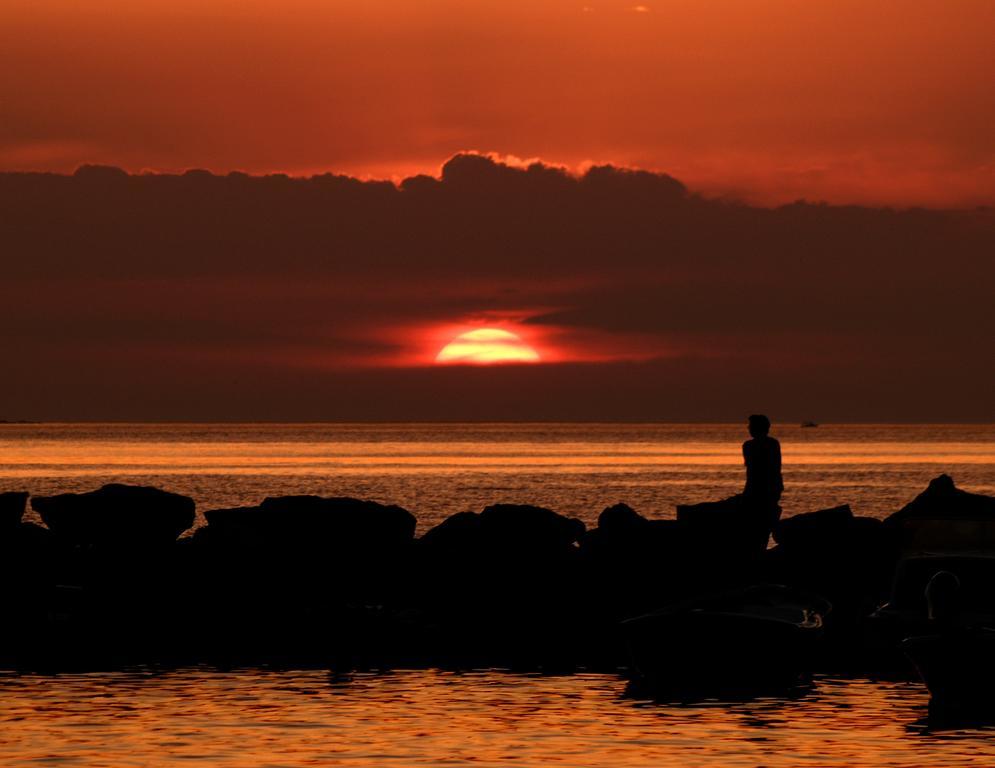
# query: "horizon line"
[[478, 422]]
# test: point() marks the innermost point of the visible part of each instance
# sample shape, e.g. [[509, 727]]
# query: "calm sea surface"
[[437, 470], [203, 716]]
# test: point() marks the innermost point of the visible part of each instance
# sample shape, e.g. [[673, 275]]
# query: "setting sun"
[[485, 346]]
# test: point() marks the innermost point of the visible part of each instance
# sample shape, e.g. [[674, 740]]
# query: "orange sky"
[[847, 100]]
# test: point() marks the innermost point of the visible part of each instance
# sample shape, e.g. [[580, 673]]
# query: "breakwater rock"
[[114, 577], [12, 509], [132, 516]]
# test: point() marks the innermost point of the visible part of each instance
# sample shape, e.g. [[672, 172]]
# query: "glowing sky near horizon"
[[884, 102]]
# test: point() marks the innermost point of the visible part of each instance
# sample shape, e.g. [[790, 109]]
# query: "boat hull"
[[721, 647], [958, 668]]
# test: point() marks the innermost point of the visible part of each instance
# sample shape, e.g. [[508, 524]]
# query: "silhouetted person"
[[762, 455]]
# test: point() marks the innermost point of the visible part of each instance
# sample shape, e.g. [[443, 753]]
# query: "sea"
[[489, 717]]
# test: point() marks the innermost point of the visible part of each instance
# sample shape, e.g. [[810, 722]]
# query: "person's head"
[[759, 425]]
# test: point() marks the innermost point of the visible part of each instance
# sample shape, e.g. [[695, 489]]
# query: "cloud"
[[307, 294], [819, 99]]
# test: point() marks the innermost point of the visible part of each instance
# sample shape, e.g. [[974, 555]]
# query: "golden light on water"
[[486, 346], [487, 719]]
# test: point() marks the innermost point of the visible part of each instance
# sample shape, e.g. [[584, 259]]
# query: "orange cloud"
[[827, 99]]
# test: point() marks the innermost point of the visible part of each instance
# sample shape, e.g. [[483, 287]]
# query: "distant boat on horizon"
[[808, 424]]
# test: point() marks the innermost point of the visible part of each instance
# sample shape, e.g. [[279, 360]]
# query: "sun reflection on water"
[[296, 718]]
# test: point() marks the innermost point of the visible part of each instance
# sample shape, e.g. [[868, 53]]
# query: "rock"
[[943, 518], [30, 567], [508, 551], [731, 513], [309, 523], [625, 533], [456, 564], [307, 533], [832, 549], [825, 527], [12, 506], [232, 529], [235, 519], [730, 528], [620, 519], [304, 554], [25, 546], [834, 534], [942, 499], [503, 586], [343, 521], [846, 559], [458, 533], [503, 531], [632, 564], [713, 514], [521, 525], [117, 515]]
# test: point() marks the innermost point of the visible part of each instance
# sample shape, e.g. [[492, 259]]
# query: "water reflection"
[[487, 718], [640, 691]]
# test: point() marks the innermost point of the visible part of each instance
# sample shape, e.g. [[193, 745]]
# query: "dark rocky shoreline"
[[109, 580]]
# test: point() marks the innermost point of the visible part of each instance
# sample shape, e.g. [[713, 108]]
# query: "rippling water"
[[436, 470], [291, 718]]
